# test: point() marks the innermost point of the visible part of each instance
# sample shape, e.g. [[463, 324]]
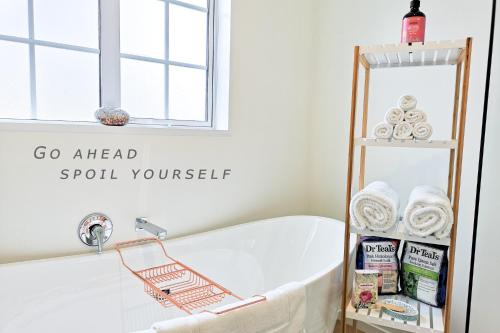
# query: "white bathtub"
[[91, 293]]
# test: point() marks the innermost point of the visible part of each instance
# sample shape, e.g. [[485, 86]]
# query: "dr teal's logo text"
[[126, 155], [424, 252]]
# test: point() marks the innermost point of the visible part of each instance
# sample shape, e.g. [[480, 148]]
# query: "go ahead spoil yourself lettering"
[[129, 155]]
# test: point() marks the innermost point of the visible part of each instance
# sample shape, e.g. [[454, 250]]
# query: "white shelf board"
[[416, 54], [430, 318], [399, 232], [436, 144]]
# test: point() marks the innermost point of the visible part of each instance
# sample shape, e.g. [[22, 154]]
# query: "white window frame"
[[218, 41], [111, 56]]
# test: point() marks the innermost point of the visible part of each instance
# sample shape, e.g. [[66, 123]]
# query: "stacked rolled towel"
[[415, 116], [394, 116], [404, 122], [407, 102], [383, 131], [403, 131], [422, 131], [428, 212], [375, 207]]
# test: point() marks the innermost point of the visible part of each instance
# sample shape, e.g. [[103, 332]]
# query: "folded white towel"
[[415, 116], [383, 131], [186, 324], [407, 102], [428, 212], [375, 207], [283, 311], [394, 116], [422, 131], [403, 131]]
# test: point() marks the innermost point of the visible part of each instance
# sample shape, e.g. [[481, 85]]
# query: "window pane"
[[143, 89], [199, 3], [14, 18], [187, 91], [142, 27], [14, 81], [188, 35], [72, 22], [67, 84]]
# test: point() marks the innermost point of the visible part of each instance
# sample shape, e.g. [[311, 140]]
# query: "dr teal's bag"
[[424, 270], [380, 254]]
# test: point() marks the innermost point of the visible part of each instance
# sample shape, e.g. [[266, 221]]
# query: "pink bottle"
[[413, 24]]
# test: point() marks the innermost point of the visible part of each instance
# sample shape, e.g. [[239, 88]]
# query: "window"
[[61, 60], [49, 61]]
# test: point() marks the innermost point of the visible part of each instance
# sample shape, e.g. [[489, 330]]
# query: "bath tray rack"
[[378, 57], [175, 284]]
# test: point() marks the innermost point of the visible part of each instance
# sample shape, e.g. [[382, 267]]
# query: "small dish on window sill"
[[112, 116]]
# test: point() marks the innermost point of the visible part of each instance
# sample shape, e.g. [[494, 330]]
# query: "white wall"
[[265, 149], [339, 26], [486, 270]]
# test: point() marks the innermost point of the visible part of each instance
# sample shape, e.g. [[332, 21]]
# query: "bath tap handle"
[[97, 232]]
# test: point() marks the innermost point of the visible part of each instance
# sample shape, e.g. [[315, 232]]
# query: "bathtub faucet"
[[141, 223], [94, 230]]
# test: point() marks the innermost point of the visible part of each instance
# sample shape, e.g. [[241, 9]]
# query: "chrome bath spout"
[[141, 223]]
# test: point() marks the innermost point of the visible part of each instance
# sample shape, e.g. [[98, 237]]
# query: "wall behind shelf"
[[486, 270], [340, 25]]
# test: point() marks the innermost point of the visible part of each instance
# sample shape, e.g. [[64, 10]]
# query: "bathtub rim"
[[316, 276], [110, 252]]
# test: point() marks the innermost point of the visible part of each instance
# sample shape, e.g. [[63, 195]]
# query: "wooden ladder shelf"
[[455, 53]]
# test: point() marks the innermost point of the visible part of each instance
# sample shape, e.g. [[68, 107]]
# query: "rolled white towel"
[[383, 131], [415, 116], [407, 102], [403, 131], [422, 131], [375, 207], [428, 212], [394, 116]]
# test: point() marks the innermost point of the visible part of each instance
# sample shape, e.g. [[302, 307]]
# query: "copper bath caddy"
[[175, 284]]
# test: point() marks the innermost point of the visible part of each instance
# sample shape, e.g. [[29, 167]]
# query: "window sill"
[[94, 127]]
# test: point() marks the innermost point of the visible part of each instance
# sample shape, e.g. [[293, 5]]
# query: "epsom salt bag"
[[365, 292], [380, 254], [423, 272]]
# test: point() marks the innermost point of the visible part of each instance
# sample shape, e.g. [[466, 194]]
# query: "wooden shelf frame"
[[458, 53]]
